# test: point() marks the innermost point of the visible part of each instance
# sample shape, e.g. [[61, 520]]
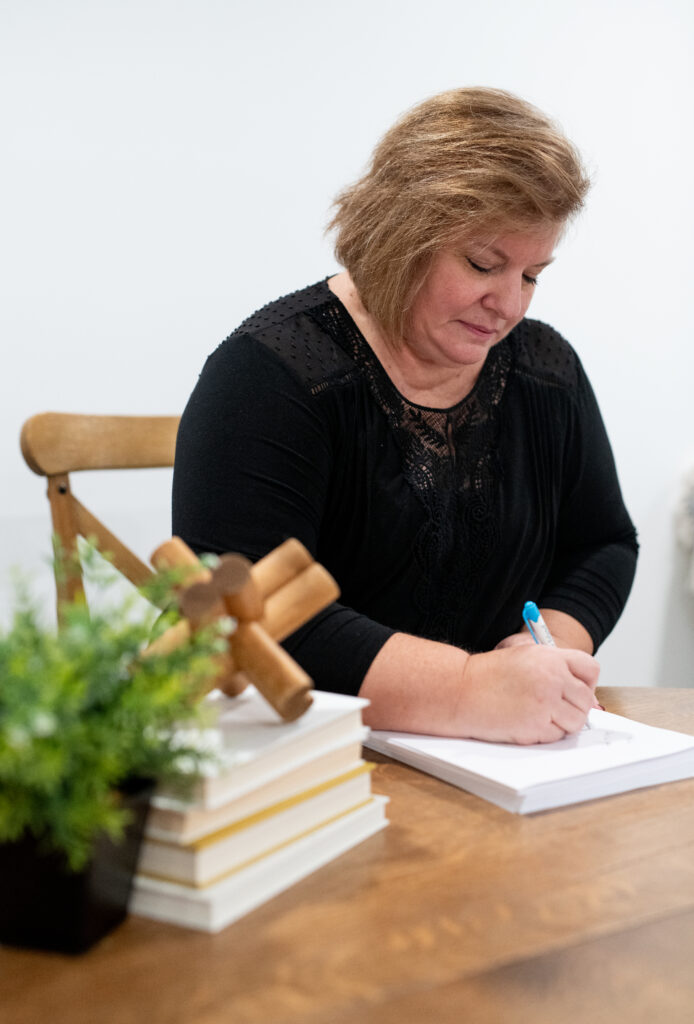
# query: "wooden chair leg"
[[69, 585]]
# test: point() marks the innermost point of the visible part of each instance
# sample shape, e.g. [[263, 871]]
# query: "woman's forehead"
[[534, 242]]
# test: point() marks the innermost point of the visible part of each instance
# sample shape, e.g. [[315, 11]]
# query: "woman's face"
[[474, 294]]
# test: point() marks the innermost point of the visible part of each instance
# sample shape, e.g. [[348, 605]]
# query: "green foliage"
[[81, 711]]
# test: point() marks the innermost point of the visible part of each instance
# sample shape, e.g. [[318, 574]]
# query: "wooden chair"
[[55, 444]]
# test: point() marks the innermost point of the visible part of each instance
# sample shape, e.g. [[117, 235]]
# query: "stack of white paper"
[[614, 755]]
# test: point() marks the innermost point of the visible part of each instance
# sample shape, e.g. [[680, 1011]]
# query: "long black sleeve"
[[253, 465], [596, 552]]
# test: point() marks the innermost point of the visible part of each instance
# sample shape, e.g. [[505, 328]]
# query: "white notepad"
[[615, 755]]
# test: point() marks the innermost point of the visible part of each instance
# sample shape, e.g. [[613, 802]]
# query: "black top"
[[436, 522]]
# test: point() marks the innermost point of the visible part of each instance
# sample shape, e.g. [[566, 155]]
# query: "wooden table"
[[459, 911]]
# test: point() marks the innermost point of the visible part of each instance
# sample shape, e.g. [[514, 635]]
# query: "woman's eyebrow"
[[502, 255]]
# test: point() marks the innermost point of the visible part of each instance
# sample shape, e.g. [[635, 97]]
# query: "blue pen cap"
[[530, 611]]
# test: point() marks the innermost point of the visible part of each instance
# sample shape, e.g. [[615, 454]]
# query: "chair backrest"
[[55, 444]]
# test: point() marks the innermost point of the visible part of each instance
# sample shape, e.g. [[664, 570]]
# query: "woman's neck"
[[420, 381]]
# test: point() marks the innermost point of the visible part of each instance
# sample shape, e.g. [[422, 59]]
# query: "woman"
[[441, 455]]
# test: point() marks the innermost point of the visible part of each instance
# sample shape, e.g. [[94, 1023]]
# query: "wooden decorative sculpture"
[[269, 601]]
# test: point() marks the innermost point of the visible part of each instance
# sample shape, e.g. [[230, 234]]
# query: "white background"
[[168, 167]]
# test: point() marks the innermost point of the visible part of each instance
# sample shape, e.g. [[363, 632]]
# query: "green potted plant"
[[88, 724]]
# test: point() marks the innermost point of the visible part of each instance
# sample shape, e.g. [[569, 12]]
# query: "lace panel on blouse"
[[451, 461]]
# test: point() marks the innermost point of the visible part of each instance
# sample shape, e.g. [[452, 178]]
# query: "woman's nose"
[[505, 298]]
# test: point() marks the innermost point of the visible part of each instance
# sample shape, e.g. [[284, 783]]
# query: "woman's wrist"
[[525, 694], [567, 631], [414, 685]]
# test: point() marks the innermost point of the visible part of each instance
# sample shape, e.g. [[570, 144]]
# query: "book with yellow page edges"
[[284, 799]]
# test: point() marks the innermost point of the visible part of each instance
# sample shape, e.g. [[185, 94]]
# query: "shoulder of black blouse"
[[293, 328], [303, 329], [542, 354]]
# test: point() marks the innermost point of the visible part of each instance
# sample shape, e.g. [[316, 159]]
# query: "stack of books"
[[284, 799]]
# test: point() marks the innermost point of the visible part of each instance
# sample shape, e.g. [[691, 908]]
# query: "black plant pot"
[[44, 905]]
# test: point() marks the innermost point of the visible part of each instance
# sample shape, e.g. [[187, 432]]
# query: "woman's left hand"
[[566, 631], [515, 640]]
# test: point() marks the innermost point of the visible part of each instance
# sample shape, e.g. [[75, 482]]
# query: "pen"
[[539, 631], [537, 625]]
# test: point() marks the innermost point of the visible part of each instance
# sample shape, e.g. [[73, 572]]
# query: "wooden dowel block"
[[298, 601], [224, 676], [174, 554], [227, 677], [201, 604], [269, 601], [174, 636], [280, 566], [233, 580], [275, 674], [234, 684]]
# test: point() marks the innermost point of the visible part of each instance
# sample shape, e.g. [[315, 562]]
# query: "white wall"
[[168, 167]]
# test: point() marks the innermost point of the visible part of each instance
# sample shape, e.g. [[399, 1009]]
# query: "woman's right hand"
[[526, 693]]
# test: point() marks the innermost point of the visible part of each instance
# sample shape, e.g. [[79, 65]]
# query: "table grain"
[[458, 911]]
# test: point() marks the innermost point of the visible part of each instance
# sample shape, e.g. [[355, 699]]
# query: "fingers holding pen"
[[583, 666], [557, 688], [571, 712], [579, 697], [527, 694]]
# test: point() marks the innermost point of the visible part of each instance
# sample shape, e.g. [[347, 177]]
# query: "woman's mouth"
[[478, 330]]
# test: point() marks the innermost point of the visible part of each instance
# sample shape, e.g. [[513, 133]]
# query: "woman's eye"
[[477, 267], [487, 270]]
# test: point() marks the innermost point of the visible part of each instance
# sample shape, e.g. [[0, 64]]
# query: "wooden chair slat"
[[125, 560], [57, 442]]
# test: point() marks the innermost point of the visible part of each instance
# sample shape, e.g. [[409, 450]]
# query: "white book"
[[614, 755], [212, 908], [177, 821], [252, 745], [214, 856]]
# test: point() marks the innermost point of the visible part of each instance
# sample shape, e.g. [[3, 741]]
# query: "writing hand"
[[526, 693]]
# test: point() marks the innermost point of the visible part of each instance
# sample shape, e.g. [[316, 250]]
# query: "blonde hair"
[[468, 163]]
